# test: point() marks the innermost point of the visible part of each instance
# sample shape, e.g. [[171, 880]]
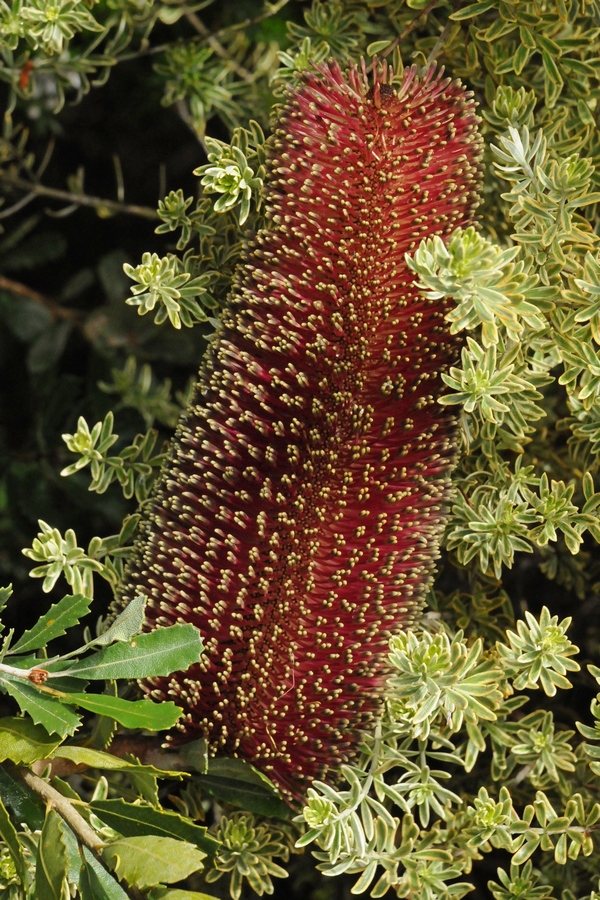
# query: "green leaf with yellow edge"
[[166, 650], [59, 618], [9, 835], [43, 709], [148, 861], [131, 819], [23, 742], [130, 713], [52, 863], [98, 759]]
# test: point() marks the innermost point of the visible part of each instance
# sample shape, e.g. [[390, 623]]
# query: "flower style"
[[300, 510]]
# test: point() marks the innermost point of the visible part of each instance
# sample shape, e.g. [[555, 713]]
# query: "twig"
[[65, 809], [271, 10], [22, 290], [439, 44], [78, 199], [398, 40], [84, 832], [217, 46]]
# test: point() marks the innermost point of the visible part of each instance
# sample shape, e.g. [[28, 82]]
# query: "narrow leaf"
[[23, 742], [59, 618], [44, 710], [127, 624], [148, 861], [5, 595], [97, 759], [161, 652], [9, 835], [52, 864], [237, 782], [131, 819], [176, 894], [130, 713], [95, 883]]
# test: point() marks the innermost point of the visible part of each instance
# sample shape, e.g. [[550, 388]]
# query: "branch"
[[398, 40], [22, 290], [271, 10], [79, 199], [64, 808]]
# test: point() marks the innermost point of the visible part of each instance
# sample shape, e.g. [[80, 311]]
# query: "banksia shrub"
[[298, 516]]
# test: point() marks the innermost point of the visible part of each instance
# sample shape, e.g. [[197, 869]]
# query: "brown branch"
[[222, 32], [22, 290], [217, 46], [398, 40], [64, 808], [79, 199]]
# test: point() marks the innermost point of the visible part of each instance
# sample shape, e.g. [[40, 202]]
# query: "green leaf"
[[9, 835], [44, 710], [160, 652], [59, 618], [131, 819], [162, 893], [97, 759], [130, 713], [237, 782], [23, 742], [27, 808], [148, 861], [5, 595], [127, 624], [48, 347], [51, 868], [474, 9], [95, 883]]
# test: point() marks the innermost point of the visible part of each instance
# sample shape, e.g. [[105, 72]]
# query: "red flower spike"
[[299, 516]]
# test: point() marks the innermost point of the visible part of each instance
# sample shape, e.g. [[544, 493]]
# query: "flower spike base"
[[299, 515]]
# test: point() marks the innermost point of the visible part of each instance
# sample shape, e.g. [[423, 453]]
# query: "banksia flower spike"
[[299, 514]]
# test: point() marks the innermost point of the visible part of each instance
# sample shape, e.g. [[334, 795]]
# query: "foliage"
[[479, 760]]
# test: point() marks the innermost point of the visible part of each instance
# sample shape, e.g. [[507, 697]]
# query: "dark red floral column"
[[299, 517]]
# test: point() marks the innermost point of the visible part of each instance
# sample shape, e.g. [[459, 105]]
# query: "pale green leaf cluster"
[[166, 288], [59, 555], [138, 389], [229, 174], [396, 823], [247, 853], [476, 751]]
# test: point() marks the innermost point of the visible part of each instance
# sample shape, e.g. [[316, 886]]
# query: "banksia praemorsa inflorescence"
[[298, 518]]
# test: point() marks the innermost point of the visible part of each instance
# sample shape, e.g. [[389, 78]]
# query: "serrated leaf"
[[5, 595], [130, 713], [238, 783], [95, 883], [9, 835], [127, 624], [26, 807], [148, 861], [131, 819], [59, 618], [44, 710], [52, 864], [98, 759], [23, 742], [160, 652]]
